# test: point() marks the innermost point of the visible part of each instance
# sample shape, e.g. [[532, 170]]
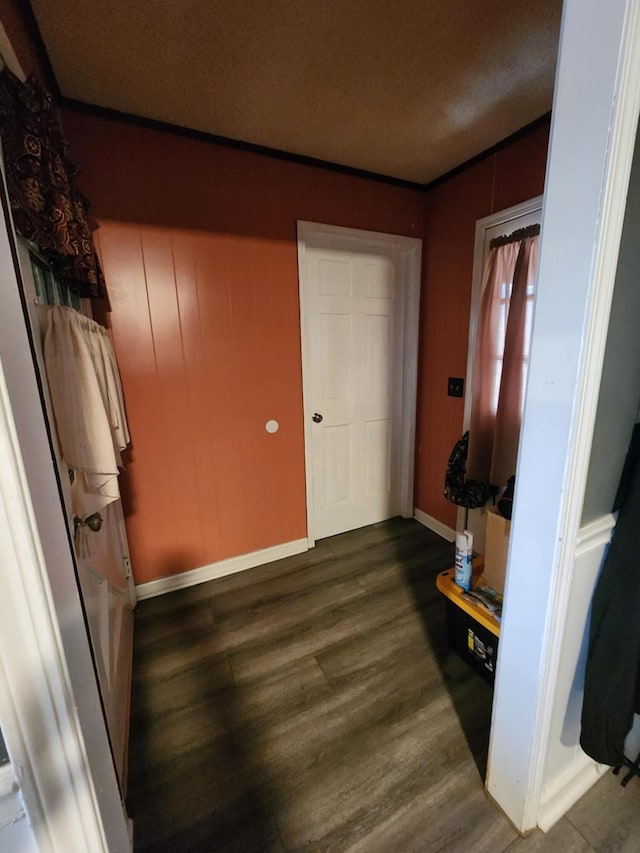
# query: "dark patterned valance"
[[46, 205]]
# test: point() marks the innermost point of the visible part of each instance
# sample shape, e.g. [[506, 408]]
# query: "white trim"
[[558, 798], [502, 217], [595, 534], [585, 201], [306, 366], [33, 673], [160, 586], [624, 121], [411, 247], [569, 773], [433, 524], [410, 378]]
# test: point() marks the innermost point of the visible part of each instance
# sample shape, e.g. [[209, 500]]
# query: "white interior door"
[[354, 305], [105, 578], [105, 584]]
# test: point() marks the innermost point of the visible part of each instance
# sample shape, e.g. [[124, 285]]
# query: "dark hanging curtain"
[[46, 205]]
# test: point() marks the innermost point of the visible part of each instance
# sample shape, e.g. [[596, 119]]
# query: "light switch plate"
[[455, 386]]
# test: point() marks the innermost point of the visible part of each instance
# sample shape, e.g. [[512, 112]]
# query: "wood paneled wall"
[[510, 176], [199, 249], [205, 330]]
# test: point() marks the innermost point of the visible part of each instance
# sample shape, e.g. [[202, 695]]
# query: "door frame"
[[52, 717], [356, 239], [593, 133]]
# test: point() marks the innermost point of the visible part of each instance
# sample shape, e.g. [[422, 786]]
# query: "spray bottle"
[[464, 557]]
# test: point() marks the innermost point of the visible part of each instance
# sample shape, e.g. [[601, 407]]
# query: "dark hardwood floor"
[[313, 704]]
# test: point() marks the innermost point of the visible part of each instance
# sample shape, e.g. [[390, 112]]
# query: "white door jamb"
[[592, 145]]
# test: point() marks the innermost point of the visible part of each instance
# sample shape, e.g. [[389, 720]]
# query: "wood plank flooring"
[[313, 705]]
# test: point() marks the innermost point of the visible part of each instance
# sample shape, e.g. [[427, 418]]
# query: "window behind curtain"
[[501, 355], [48, 289], [505, 297]]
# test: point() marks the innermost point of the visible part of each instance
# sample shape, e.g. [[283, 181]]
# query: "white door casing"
[[593, 132], [359, 299]]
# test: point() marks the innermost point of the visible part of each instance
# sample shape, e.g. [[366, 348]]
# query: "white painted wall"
[[18, 837], [16, 833], [620, 386], [568, 772], [617, 410], [595, 116], [566, 766]]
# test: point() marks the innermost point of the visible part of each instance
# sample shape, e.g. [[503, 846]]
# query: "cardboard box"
[[496, 550]]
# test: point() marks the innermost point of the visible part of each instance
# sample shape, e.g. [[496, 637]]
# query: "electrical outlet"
[[455, 386]]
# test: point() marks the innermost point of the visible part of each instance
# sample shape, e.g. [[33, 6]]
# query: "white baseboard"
[[565, 792], [432, 523], [160, 586]]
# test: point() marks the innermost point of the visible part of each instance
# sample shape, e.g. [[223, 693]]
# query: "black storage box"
[[472, 641]]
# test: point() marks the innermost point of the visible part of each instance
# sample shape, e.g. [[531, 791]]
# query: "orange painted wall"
[[512, 175], [199, 249]]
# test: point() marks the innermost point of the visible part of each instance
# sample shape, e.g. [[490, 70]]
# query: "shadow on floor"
[[471, 696], [200, 778], [193, 784]]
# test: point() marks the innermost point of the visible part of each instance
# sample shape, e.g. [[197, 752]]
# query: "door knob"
[[316, 418]]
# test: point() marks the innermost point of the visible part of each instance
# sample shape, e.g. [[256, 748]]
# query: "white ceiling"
[[406, 88]]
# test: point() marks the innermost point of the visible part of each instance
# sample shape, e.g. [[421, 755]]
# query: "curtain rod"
[[515, 236]]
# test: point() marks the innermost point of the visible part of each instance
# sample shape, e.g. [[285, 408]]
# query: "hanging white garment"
[[87, 406], [108, 377], [118, 415]]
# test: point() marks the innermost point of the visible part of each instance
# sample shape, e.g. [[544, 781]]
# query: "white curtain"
[[88, 405], [501, 356]]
